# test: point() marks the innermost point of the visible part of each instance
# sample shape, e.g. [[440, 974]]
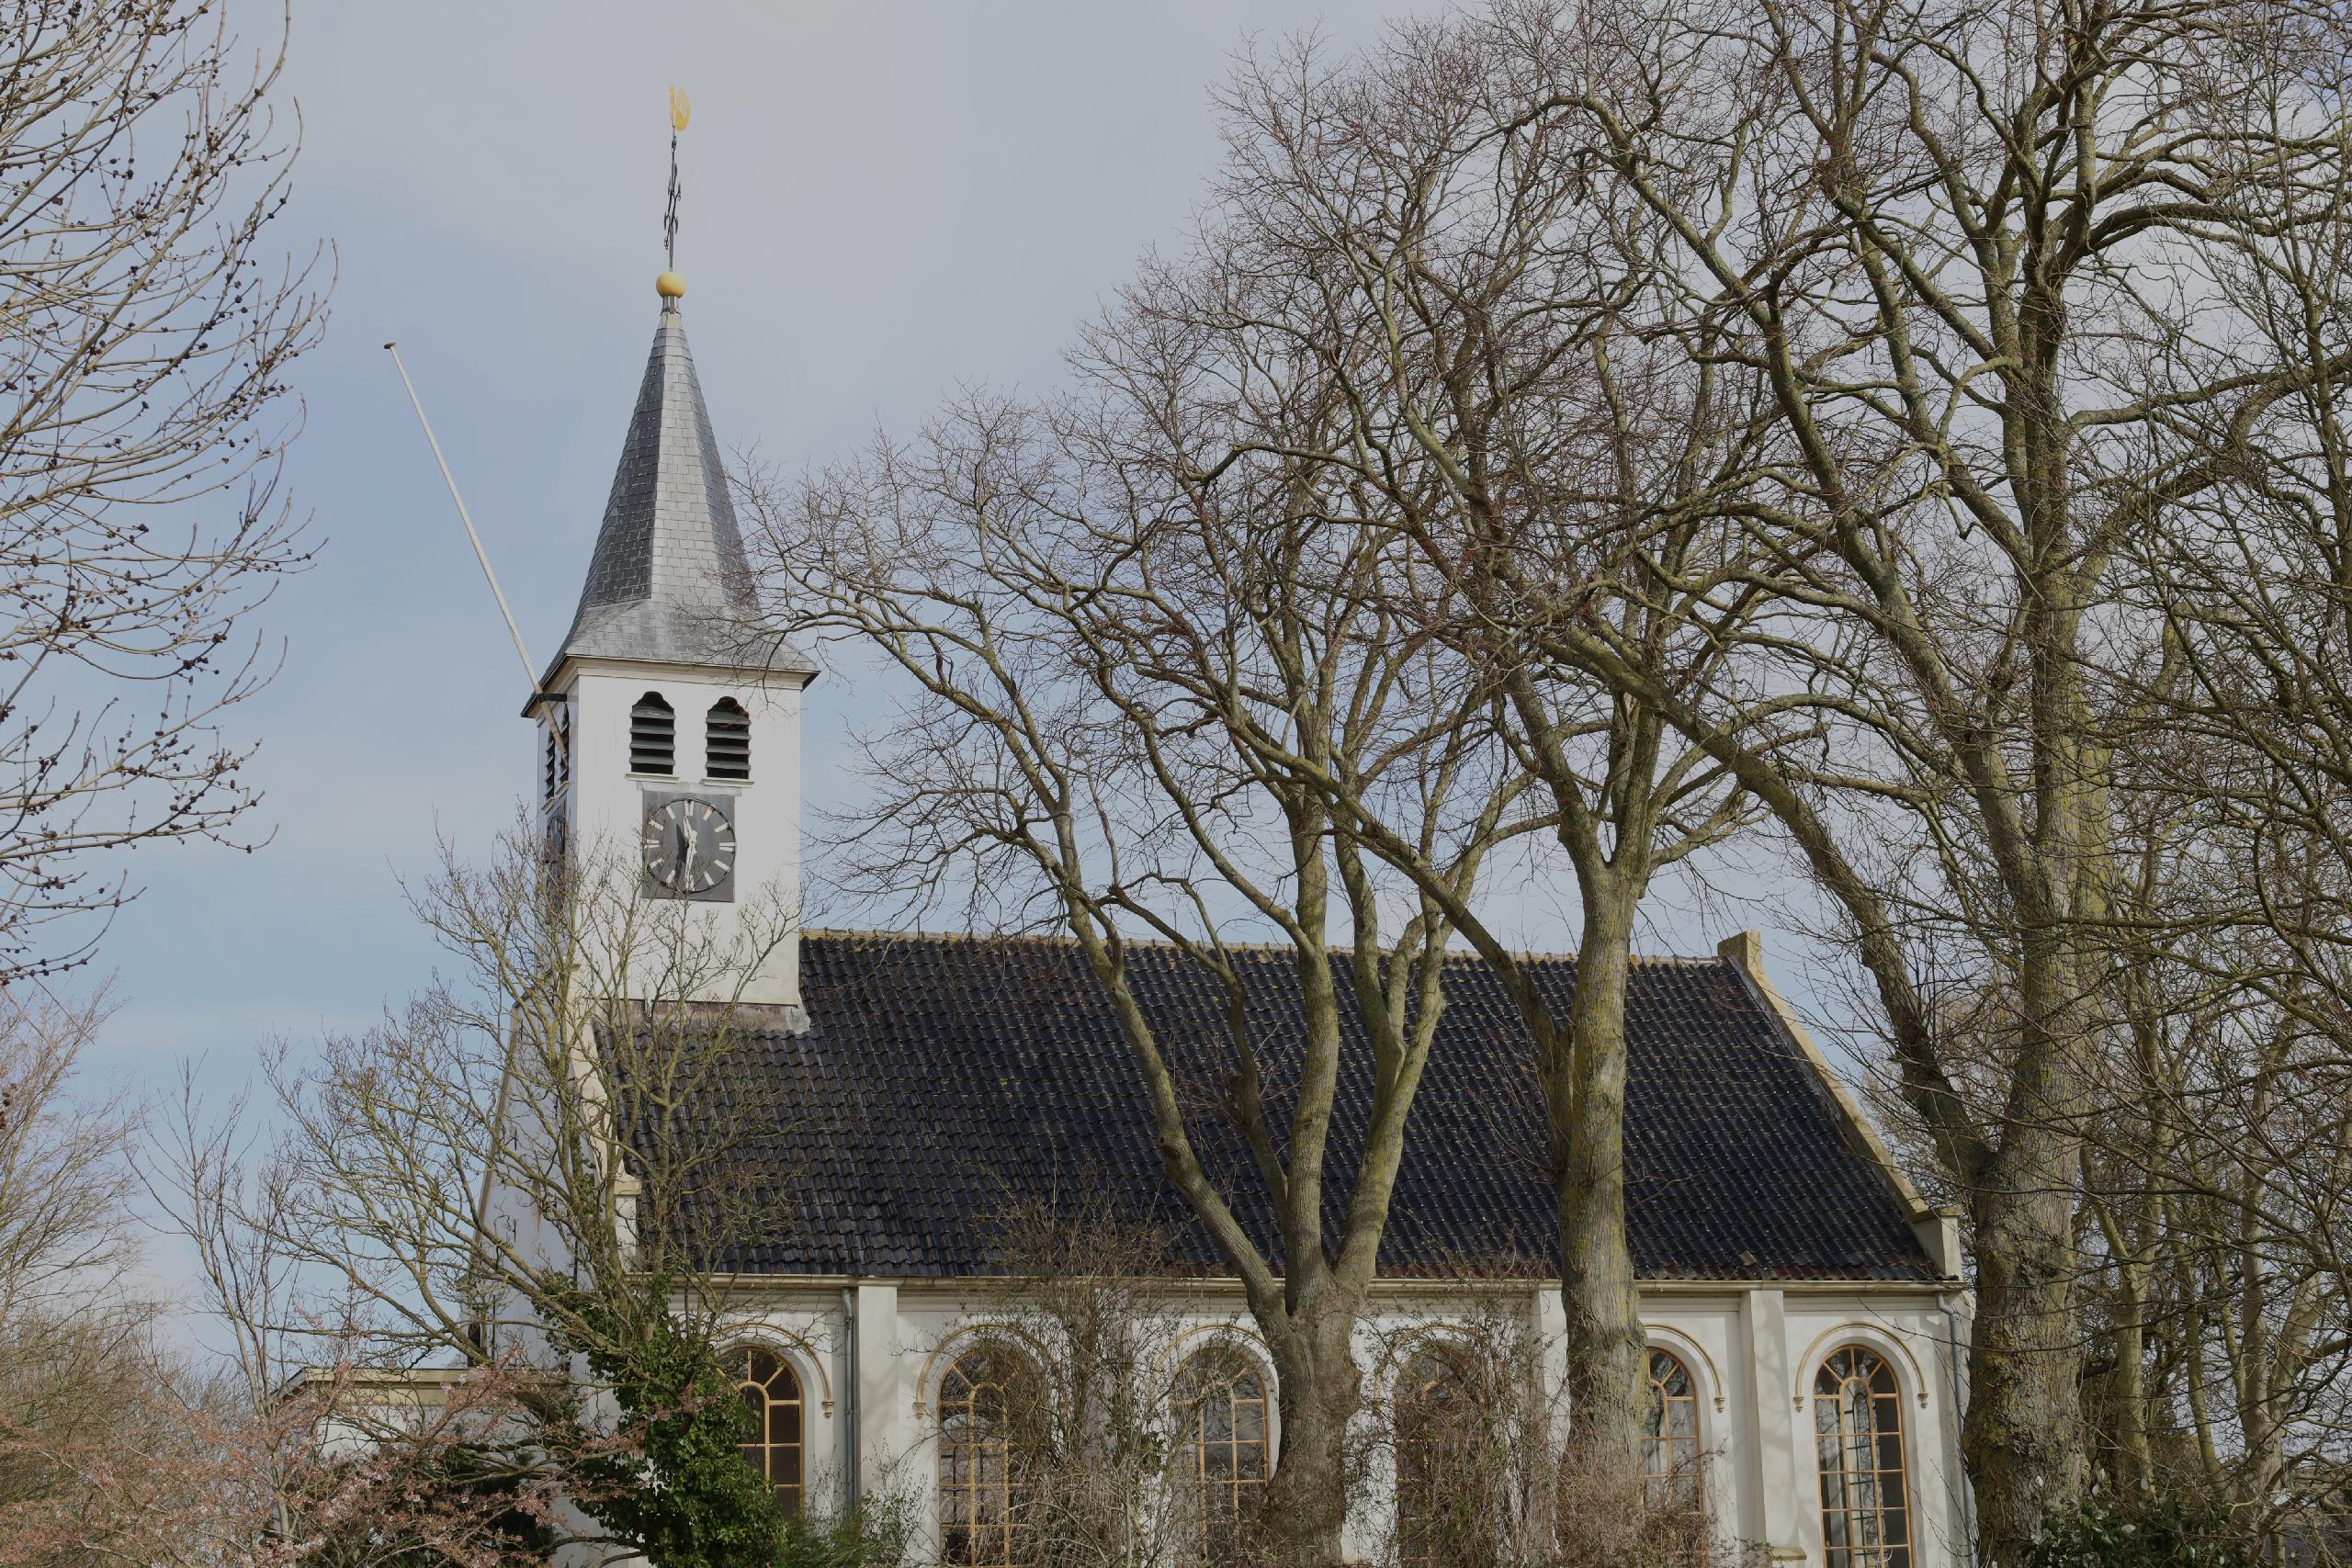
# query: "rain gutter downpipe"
[[851, 1495]]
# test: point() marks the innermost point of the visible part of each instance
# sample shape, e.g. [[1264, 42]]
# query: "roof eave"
[[794, 667]]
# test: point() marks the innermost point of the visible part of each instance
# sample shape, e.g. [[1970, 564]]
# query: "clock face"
[[689, 845]]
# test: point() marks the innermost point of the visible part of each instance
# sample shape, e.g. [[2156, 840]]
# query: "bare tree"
[[1481, 1479], [1486, 320], [64, 1182], [146, 331], [1956, 326], [111, 1450], [82, 1380], [1134, 696], [2217, 1193], [351, 1469], [1756, 366], [1089, 1441], [537, 1171]]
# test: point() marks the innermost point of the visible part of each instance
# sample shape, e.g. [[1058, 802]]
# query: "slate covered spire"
[[668, 582]]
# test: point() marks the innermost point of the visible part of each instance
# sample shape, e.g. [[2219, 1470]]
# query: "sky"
[[884, 200]]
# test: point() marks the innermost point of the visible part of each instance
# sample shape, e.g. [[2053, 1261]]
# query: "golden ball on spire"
[[670, 285]]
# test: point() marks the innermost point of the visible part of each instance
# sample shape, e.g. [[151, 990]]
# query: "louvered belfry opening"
[[558, 750], [728, 741], [652, 736]]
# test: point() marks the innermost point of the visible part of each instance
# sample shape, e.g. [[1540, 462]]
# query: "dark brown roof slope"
[[940, 1073]]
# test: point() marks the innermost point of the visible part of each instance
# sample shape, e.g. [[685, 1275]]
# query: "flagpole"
[[530, 671]]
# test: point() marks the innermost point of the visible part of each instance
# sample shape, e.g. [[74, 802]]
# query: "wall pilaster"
[[1772, 1471]]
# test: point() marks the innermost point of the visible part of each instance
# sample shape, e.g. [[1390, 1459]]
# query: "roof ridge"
[[874, 933]]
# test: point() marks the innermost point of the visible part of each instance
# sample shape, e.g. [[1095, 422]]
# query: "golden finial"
[[670, 284]]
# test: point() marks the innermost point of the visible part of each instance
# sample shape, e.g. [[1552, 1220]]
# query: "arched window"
[[1670, 1435], [1673, 1484], [986, 1397], [726, 740], [1857, 1435], [1448, 1500], [773, 1441], [1221, 1457], [652, 736]]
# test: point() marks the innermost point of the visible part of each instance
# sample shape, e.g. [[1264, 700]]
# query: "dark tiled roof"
[[940, 1075]]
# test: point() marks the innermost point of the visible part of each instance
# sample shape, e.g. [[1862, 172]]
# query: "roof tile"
[[938, 1074]]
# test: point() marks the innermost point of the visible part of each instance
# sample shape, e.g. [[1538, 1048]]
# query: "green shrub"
[[2107, 1529], [681, 1492]]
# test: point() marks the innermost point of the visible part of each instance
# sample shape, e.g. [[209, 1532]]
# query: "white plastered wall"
[[1752, 1351], [605, 805]]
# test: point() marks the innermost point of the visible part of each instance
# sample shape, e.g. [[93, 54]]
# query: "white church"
[[1805, 1312]]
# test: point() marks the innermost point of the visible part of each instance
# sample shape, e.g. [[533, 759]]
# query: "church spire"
[[673, 720], [669, 583]]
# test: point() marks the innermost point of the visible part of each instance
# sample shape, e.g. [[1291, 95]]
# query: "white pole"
[[530, 671], [530, 677]]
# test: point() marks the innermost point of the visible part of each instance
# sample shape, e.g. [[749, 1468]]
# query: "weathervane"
[[670, 284]]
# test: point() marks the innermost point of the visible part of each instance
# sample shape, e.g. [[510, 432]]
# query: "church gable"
[[939, 1077]]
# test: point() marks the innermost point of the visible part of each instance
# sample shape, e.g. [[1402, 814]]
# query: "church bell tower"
[[670, 724]]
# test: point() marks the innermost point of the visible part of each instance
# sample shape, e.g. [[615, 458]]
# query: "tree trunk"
[[1585, 1102], [1319, 1391], [2133, 1465], [2023, 1440]]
